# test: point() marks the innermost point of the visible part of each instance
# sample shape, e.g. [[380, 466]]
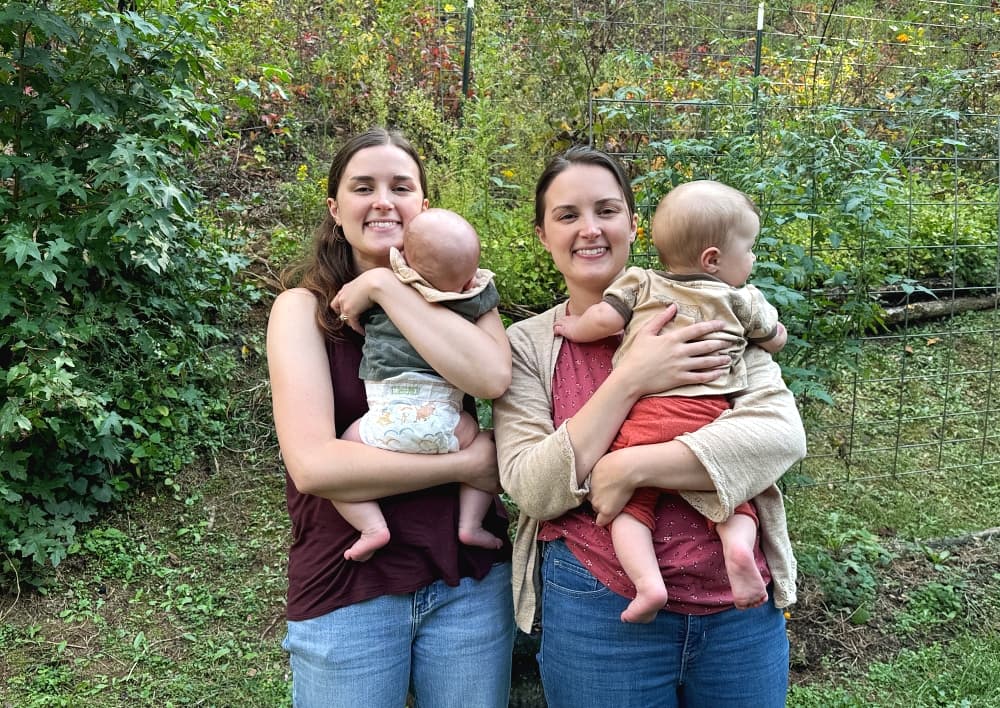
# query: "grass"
[[176, 598], [893, 617]]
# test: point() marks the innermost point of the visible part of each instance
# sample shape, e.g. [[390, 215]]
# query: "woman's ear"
[[635, 228], [709, 260], [540, 233], [331, 206]]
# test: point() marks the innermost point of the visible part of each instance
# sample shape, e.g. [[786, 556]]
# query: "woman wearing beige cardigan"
[[553, 429]]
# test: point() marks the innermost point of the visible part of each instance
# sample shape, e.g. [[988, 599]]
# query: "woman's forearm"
[[474, 357], [352, 471], [668, 465], [303, 405]]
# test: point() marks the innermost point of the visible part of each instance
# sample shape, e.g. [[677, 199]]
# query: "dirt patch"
[[827, 643]]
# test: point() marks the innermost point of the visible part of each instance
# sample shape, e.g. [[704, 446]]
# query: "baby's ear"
[[709, 261]]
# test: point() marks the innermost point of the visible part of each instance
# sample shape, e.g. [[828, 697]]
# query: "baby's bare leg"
[[472, 506], [738, 534], [634, 547], [472, 503], [466, 430], [366, 517]]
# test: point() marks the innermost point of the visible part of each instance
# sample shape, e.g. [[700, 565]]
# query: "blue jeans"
[[448, 646], [589, 657]]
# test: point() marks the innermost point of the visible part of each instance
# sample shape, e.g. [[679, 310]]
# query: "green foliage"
[[933, 603], [500, 207], [961, 674], [952, 232], [846, 566], [112, 296], [345, 64], [179, 598]]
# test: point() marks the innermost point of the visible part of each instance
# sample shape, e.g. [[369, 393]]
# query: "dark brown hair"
[[331, 263], [580, 155]]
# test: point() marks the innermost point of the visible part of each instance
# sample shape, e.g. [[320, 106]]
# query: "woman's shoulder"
[[298, 295], [530, 327], [292, 316], [293, 300]]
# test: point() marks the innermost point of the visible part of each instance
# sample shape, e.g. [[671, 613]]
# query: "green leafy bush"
[[112, 295], [846, 566], [952, 229]]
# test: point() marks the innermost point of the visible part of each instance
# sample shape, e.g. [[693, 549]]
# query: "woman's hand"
[[678, 357], [360, 294], [610, 486]]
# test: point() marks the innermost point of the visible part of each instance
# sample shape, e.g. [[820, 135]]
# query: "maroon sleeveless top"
[[424, 526]]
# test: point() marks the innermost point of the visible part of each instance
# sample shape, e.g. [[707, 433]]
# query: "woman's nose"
[[382, 199], [589, 227]]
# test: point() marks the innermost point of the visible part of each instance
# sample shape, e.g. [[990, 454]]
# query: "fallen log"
[[933, 309]]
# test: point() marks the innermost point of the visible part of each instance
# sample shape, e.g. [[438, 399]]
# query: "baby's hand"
[[565, 327], [356, 296]]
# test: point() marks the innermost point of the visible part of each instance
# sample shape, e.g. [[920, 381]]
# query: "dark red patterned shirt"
[[690, 555]]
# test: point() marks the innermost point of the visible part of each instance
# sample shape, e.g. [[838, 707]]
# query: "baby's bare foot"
[[479, 537], [649, 599], [371, 540], [745, 579]]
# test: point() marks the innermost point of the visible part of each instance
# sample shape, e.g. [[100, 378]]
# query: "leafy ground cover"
[[176, 598]]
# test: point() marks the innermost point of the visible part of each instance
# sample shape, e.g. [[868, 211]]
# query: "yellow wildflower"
[[903, 37]]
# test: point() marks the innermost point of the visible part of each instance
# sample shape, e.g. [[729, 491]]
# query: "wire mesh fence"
[[868, 135]]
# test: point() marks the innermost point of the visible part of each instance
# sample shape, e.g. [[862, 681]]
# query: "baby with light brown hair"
[[411, 408]]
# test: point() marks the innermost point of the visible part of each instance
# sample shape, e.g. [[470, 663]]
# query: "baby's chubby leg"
[[633, 543], [738, 534], [366, 517], [472, 503]]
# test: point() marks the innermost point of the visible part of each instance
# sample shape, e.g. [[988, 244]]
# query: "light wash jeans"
[[450, 647], [589, 657]]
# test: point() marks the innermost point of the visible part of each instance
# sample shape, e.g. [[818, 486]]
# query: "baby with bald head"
[[443, 248], [411, 408]]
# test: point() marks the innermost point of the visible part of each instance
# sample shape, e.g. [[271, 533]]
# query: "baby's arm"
[[776, 343], [597, 322]]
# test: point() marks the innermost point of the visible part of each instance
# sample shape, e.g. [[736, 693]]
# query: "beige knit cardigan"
[[745, 451]]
